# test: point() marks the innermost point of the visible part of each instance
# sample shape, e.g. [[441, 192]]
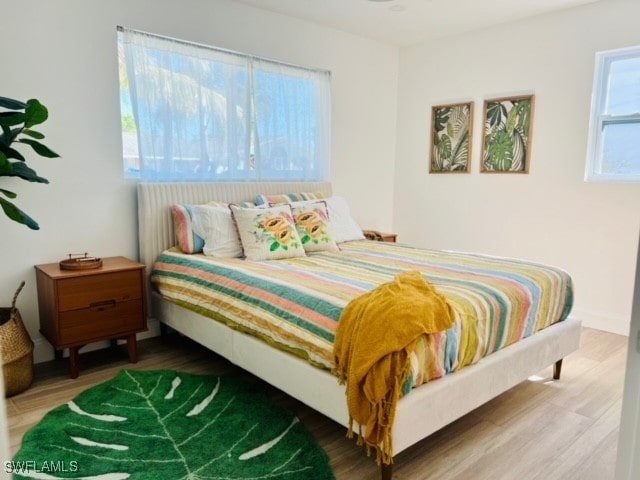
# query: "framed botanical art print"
[[451, 134], [506, 146]]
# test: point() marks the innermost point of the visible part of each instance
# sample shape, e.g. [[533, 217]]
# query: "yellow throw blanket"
[[375, 336]]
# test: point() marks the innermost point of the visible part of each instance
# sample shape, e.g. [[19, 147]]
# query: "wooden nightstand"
[[83, 306], [380, 236]]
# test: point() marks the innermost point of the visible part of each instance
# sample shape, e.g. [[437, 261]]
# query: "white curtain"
[[208, 114], [292, 121]]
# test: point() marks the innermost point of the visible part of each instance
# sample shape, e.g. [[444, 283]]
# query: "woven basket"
[[16, 348]]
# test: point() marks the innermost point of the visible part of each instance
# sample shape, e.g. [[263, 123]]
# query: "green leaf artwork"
[[507, 134], [170, 425], [451, 134]]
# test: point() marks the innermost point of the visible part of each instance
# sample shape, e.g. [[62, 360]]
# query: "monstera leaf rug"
[[170, 425]]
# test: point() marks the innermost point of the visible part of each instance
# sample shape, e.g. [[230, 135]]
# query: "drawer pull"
[[99, 306]]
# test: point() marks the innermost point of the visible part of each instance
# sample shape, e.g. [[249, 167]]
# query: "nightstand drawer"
[[91, 291], [100, 322]]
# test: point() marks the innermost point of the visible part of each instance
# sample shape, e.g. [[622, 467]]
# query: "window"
[[192, 112], [613, 152]]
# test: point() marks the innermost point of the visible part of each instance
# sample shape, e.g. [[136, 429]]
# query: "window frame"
[[599, 119]]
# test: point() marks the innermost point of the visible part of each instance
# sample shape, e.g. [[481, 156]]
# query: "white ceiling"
[[407, 22]]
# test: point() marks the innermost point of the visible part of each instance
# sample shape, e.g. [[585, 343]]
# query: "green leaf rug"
[[170, 425]]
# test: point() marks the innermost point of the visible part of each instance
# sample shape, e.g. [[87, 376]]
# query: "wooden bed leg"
[[386, 471], [557, 367], [164, 330]]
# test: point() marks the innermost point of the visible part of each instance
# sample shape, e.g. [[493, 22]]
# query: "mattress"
[[295, 304]]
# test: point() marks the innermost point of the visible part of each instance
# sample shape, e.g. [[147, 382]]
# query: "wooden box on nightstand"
[[380, 236], [78, 307]]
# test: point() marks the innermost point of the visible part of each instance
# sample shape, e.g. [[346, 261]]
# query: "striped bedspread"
[[295, 304]]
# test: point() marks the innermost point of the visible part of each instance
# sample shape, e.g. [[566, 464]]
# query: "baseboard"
[[43, 352], [602, 321]]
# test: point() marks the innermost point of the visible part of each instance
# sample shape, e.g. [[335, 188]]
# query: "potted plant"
[[16, 120]]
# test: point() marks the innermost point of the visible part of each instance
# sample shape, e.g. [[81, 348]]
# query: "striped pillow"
[[188, 240], [288, 198]]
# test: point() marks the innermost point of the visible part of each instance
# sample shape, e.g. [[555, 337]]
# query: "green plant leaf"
[[35, 113], [450, 130], [441, 119], [9, 135], [8, 193], [21, 116], [512, 120], [493, 114], [444, 148], [5, 164], [39, 148], [274, 246], [9, 119], [12, 104], [305, 239], [22, 170], [496, 113], [11, 153], [459, 155], [33, 134], [129, 124], [500, 151], [17, 215], [524, 115], [519, 153]]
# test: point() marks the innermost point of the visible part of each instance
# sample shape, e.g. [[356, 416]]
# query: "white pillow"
[[215, 225], [343, 226]]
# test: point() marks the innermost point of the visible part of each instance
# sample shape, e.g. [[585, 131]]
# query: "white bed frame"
[[425, 410]]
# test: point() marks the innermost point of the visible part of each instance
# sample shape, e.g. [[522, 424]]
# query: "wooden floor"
[[539, 430]]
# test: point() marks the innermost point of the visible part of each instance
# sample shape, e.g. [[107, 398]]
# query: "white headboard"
[[155, 224]]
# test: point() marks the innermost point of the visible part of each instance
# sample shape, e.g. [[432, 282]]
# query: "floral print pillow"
[[314, 227], [267, 233]]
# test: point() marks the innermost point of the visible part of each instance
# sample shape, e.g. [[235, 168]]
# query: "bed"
[[447, 398]]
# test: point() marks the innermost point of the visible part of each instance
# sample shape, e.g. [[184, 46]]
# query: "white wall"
[[628, 461], [550, 215], [63, 52]]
